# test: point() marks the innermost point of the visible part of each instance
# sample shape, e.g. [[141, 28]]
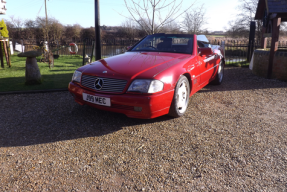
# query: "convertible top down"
[[154, 77]]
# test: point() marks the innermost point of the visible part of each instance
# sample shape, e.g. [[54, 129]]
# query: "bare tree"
[[88, 33], [194, 20], [30, 29], [249, 8], [129, 29], [171, 27], [237, 29], [73, 31], [11, 29], [15, 26], [242, 23], [18, 23], [30, 23], [41, 24], [77, 30], [56, 29], [152, 15]]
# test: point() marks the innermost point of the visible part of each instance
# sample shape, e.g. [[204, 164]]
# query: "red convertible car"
[[154, 77]]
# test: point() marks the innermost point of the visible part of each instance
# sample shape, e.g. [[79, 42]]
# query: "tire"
[[180, 99], [219, 76]]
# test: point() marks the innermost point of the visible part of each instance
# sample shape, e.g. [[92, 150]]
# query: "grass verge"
[[237, 64], [13, 79]]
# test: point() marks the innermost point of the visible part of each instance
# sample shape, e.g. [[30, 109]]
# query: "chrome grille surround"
[[109, 84]]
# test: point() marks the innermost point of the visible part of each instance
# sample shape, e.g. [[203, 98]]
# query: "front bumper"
[[152, 105]]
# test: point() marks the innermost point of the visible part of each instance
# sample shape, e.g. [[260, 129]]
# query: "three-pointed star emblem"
[[99, 83]]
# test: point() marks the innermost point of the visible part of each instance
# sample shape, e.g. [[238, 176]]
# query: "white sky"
[[218, 12]]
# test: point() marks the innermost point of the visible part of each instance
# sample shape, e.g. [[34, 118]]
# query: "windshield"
[[173, 43]]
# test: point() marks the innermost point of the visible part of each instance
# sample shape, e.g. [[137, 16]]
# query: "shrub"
[[4, 31]]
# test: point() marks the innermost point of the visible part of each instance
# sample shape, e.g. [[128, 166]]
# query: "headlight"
[[146, 86], [77, 76], [155, 86]]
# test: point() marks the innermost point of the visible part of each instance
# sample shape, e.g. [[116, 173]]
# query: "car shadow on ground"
[[236, 79], [60, 125]]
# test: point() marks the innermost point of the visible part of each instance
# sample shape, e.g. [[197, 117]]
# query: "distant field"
[[215, 35]]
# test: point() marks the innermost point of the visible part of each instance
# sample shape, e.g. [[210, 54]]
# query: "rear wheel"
[[181, 97], [219, 76]]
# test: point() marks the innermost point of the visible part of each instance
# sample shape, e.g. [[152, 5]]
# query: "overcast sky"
[[218, 12]]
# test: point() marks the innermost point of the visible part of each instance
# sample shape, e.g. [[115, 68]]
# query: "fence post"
[[22, 45], [1, 55], [9, 54], [84, 51], [223, 46], [58, 47], [93, 45], [251, 40]]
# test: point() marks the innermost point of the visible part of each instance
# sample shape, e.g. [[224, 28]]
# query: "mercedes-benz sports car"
[[154, 77]]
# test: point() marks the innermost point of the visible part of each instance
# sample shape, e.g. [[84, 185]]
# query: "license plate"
[[97, 100]]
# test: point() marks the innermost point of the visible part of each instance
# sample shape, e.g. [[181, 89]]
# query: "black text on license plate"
[[97, 100]]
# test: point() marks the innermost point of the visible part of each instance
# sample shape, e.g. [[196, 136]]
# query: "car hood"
[[134, 64]]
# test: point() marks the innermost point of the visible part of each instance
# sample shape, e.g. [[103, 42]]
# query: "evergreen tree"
[[4, 31]]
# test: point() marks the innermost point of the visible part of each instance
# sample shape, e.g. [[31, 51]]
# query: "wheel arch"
[[187, 75]]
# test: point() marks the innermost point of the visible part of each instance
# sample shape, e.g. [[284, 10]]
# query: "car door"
[[207, 64]]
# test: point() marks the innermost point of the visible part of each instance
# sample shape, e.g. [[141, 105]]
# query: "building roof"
[[272, 6]]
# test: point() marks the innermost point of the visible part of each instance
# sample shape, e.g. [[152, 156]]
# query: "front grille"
[[109, 84]]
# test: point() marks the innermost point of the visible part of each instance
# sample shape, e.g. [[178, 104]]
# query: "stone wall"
[[261, 61], [280, 66]]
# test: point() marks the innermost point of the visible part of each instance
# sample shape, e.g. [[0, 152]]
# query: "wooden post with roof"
[[272, 12]]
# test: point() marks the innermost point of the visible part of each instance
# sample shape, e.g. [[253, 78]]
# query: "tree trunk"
[[153, 17]]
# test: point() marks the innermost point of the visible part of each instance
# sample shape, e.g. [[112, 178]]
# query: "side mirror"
[[128, 47]]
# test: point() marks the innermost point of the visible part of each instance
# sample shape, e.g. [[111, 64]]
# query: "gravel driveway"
[[233, 138]]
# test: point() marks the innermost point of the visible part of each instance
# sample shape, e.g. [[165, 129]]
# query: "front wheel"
[[219, 75], [181, 97]]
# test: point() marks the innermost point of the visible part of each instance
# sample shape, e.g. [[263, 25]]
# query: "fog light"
[[138, 109]]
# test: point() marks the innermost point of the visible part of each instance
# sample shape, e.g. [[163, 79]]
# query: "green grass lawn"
[[237, 64], [13, 79]]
